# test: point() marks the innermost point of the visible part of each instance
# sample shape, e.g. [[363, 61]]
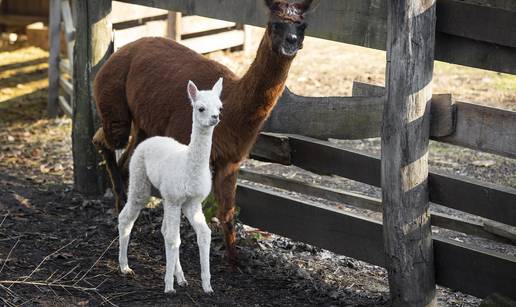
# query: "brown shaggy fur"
[[142, 88]]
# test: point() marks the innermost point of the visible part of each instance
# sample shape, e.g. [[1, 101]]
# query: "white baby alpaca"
[[182, 175]]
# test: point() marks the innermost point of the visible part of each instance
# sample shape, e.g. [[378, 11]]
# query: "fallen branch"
[[46, 284]]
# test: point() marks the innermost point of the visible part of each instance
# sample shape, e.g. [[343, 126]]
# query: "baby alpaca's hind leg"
[[170, 231], [139, 193], [178, 273], [193, 212]]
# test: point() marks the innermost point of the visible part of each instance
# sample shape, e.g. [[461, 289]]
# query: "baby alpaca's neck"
[[199, 147]]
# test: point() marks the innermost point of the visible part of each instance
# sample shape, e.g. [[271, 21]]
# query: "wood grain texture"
[[475, 126], [489, 230], [92, 47], [404, 165], [364, 23], [458, 266], [326, 117], [484, 128], [54, 37], [458, 192]]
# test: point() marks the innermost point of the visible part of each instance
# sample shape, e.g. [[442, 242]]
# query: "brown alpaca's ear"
[[192, 91], [273, 4], [307, 6]]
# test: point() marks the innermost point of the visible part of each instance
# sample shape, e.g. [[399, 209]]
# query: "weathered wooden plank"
[[458, 266], [315, 224], [66, 85], [473, 270], [326, 117], [69, 29], [272, 147], [54, 43], [469, 195], [363, 23], [405, 137], [123, 12], [174, 26], [93, 46], [502, 230], [65, 106], [213, 42], [489, 24], [325, 158], [475, 126], [349, 198], [484, 128], [465, 194], [130, 34], [492, 232], [196, 24], [21, 20]]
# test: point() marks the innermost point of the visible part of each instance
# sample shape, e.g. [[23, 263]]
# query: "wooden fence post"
[[54, 40], [405, 131], [93, 46]]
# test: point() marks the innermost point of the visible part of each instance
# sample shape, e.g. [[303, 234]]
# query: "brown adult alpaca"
[[143, 85]]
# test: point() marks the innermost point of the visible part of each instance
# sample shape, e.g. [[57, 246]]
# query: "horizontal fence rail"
[[488, 230], [472, 196], [470, 125], [467, 34], [458, 266]]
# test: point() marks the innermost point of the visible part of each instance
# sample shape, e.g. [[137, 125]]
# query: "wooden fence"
[[405, 111]]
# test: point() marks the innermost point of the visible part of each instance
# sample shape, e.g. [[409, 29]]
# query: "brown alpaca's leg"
[[225, 189], [137, 136], [112, 168]]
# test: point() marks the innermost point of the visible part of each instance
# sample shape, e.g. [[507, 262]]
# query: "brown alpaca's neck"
[[262, 84]]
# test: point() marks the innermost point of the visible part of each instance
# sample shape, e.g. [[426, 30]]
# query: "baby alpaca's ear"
[[217, 88], [192, 91]]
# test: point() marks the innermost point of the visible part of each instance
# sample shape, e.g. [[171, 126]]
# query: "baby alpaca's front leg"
[[170, 231], [193, 212]]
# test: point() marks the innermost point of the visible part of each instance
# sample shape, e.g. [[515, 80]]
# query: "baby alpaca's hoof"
[[207, 289], [127, 271], [170, 290], [182, 283]]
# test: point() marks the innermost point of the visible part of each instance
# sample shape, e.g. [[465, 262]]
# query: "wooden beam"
[[323, 226], [213, 42], [65, 106], [272, 147], [482, 23], [489, 230], [174, 26], [22, 20], [54, 44], [458, 266], [93, 46], [196, 24], [484, 128], [69, 29], [405, 135], [465, 194], [474, 126], [364, 23], [326, 117], [66, 85]]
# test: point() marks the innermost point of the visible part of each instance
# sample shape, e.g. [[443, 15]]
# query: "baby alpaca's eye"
[[201, 109]]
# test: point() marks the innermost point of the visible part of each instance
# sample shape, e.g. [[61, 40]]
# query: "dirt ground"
[[58, 248]]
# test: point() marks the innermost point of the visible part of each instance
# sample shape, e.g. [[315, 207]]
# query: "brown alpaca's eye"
[[201, 109]]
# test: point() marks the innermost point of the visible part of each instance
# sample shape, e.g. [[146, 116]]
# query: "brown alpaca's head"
[[287, 24]]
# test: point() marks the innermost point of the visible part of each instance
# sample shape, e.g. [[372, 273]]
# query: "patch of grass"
[[210, 207]]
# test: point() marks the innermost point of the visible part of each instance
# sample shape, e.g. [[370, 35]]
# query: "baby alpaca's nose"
[[215, 116]]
